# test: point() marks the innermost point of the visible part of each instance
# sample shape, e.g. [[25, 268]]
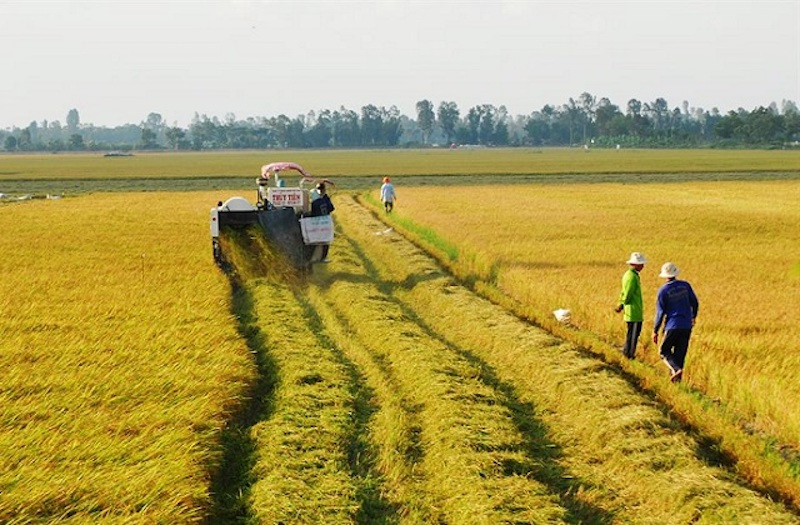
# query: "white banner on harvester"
[[317, 230], [296, 198]]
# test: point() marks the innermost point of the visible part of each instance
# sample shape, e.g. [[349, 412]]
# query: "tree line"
[[585, 120]]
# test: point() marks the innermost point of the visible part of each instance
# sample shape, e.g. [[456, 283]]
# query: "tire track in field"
[[231, 484], [391, 438], [629, 459], [373, 507], [539, 454], [295, 452], [474, 466]]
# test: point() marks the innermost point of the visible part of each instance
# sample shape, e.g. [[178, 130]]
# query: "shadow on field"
[[708, 449], [249, 256], [541, 452], [408, 283], [361, 454], [231, 484]]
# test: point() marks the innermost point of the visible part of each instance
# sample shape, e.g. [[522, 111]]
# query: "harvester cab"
[[273, 192], [283, 213]]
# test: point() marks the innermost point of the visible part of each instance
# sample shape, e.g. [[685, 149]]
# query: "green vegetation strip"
[[629, 459], [70, 174]]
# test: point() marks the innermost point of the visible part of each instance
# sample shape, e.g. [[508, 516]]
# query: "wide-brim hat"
[[637, 258], [669, 270]]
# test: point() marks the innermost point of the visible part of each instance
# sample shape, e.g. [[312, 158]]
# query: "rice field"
[[565, 247], [606, 449], [377, 163], [402, 382], [120, 362]]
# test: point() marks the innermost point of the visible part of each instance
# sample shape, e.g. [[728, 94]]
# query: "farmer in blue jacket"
[[678, 304], [321, 204]]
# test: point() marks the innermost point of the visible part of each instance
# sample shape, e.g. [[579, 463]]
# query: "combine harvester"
[[283, 213]]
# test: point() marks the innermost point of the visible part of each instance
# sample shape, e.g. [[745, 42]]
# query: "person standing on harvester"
[[630, 300], [677, 303], [321, 205], [388, 195]]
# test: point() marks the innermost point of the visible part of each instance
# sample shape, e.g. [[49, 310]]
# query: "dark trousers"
[[632, 338], [674, 347], [388, 205]]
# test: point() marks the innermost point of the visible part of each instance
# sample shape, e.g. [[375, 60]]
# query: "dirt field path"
[[396, 395]]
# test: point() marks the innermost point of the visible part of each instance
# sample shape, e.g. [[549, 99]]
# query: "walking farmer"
[[677, 303], [630, 300], [388, 195]]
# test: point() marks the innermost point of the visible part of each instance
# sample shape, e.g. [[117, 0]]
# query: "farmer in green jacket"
[[630, 299]]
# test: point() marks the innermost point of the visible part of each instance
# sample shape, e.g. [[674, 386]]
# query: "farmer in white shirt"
[[388, 195]]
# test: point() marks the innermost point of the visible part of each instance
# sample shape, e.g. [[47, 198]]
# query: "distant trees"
[[148, 139], [760, 126], [585, 119], [448, 118], [391, 130], [24, 141], [175, 137], [588, 119], [76, 142], [380, 126], [73, 120], [346, 128], [342, 128], [320, 133], [425, 118], [588, 104], [608, 120], [371, 124], [485, 125]]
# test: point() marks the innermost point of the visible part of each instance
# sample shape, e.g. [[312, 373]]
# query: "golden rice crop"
[[314, 445], [605, 450], [549, 247], [302, 471], [119, 359], [341, 163], [452, 452], [565, 247]]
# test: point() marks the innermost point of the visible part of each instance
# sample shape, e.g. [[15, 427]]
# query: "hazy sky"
[[118, 61]]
